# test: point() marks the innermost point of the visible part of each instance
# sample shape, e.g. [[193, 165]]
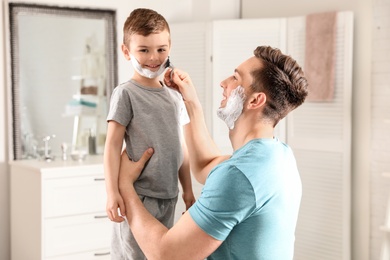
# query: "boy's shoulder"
[[125, 85], [173, 92]]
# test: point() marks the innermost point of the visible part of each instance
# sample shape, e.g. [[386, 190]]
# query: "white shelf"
[[87, 97], [86, 114], [82, 77]]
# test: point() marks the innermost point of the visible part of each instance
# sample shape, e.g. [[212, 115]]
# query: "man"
[[249, 204]]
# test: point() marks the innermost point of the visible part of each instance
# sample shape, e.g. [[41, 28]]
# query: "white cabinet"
[[58, 210]]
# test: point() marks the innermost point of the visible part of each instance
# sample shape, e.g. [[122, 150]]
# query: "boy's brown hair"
[[144, 22]]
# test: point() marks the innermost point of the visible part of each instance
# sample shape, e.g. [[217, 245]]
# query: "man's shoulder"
[[227, 172]]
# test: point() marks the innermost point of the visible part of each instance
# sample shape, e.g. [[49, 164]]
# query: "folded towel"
[[82, 102], [320, 55]]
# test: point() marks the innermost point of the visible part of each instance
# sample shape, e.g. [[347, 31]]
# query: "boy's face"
[[150, 51]]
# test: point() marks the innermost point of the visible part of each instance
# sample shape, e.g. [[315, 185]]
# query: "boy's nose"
[[153, 56]]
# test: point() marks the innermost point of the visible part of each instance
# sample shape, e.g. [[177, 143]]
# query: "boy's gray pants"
[[123, 244]]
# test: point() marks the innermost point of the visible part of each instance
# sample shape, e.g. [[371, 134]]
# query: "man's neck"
[[243, 133]]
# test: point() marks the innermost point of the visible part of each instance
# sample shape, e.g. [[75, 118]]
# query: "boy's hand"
[[189, 199], [114, 202], [130, 171]]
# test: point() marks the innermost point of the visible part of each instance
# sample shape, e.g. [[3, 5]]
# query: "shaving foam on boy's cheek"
[[233, 109], [146, 72]]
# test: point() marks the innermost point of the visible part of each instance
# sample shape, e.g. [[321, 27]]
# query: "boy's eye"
[[143, 50], [161, 50]]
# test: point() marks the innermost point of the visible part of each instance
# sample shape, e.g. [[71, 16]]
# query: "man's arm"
[[204, 154], [183, 241]]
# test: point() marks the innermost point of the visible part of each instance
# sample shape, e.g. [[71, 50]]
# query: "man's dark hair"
[[281, 79]]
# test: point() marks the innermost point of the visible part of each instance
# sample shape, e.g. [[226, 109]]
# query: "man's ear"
[[125, 52], [256, 100]]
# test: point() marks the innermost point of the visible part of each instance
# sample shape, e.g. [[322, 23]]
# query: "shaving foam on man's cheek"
[[233, 109], [146, 72]]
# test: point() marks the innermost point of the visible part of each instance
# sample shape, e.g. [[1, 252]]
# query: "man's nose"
[[223, 84]]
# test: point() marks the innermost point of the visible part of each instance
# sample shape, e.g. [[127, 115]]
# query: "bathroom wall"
[[380, 127], [361, 99], [172, 10], [4, 180]]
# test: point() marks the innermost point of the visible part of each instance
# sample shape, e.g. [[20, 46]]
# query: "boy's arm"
[[185, 178], [112, 156], [186, 240]]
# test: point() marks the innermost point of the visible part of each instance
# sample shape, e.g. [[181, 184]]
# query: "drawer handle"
[[99, 179], [101, 254], [101, 216]]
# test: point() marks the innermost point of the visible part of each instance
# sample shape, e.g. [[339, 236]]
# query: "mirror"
[[63, 70]]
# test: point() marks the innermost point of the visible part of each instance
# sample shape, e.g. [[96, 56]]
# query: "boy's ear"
[[126, 52], [257, 100]]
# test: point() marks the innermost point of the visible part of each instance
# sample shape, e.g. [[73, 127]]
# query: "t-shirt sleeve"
[[184, 118], [227, 199], [120, 106]]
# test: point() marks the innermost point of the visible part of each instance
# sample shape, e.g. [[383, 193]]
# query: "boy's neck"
[[147, 82]]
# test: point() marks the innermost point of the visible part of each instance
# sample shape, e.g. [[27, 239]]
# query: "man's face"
[[234, 95], [241, 77]]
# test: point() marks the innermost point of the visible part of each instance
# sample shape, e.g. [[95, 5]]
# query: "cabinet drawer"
[[72, 196], [77, 234], [102, 254]]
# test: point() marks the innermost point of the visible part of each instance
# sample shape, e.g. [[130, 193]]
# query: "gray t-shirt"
[[153, 117]]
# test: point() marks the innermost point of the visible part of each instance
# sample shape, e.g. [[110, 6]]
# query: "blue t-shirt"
[[251, 202]]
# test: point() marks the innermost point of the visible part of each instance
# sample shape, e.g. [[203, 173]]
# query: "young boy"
[[145, 113]]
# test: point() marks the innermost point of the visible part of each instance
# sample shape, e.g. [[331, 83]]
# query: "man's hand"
[[181, 82], [130, 171]]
